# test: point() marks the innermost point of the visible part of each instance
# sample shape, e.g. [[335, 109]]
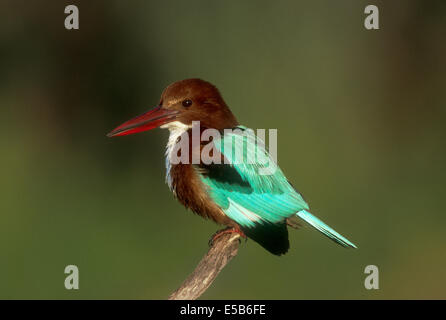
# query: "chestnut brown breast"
[[191, 192]]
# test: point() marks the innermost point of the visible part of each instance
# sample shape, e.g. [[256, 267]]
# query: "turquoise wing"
[[251, 189]]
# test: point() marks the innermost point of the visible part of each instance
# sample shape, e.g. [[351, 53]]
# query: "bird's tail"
[[322, 227]]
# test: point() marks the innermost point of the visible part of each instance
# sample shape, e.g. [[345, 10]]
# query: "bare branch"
[[224, 248]]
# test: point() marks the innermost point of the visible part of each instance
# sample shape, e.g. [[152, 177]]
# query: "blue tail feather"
[[326, 230]]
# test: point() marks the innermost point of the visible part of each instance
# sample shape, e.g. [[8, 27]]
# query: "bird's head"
[[183, 101]]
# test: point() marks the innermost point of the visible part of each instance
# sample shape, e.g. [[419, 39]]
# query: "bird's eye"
[[187, 103]]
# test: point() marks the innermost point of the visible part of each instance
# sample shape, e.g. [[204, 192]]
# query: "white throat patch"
[[176, 129]]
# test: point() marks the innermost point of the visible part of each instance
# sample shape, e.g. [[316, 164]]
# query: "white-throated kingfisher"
[[259, 206]]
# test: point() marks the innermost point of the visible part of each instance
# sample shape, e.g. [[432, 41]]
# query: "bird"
[[231, 193]]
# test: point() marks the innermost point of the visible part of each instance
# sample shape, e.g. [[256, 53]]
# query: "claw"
[[227, 230]]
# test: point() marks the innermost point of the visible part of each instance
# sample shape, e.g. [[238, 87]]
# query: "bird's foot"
[[227, 230]]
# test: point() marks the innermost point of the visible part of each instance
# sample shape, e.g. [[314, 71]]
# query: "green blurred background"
[[361, 131]]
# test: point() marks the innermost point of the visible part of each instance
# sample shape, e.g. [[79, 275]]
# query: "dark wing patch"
[[226, 174], [272, 237]]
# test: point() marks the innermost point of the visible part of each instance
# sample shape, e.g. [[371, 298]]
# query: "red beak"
[[150, 120]]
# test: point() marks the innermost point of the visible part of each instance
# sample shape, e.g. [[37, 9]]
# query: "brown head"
[[183, 101]]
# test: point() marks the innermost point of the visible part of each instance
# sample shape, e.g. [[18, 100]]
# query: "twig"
[[220, 253]]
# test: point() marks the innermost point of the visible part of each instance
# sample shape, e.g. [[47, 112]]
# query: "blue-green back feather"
[[249, 196]]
